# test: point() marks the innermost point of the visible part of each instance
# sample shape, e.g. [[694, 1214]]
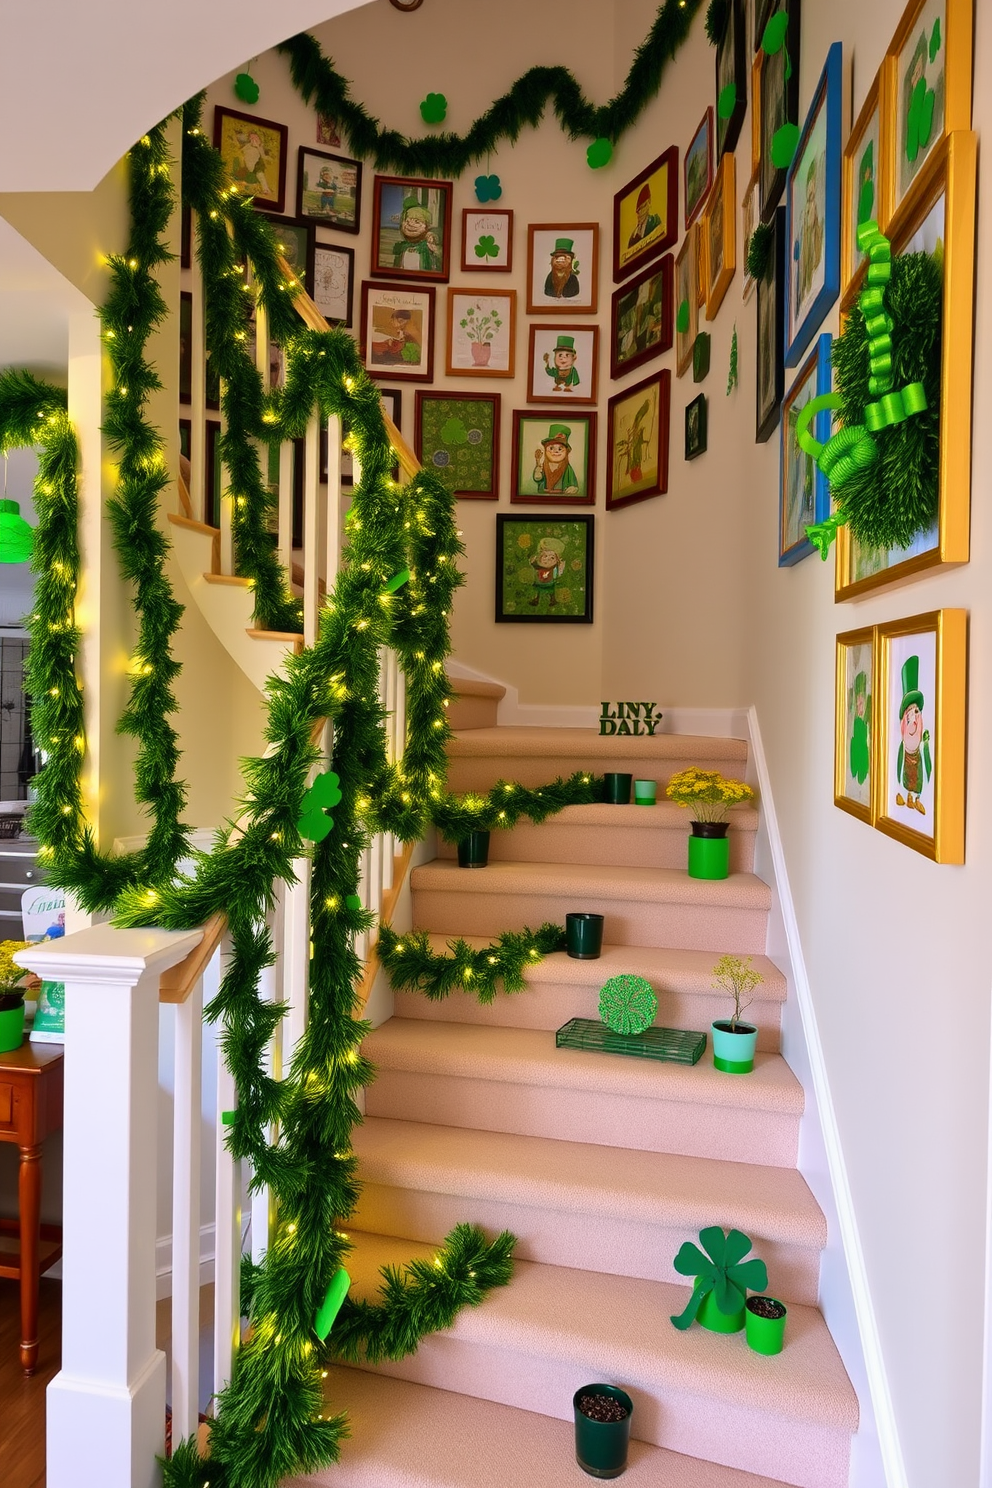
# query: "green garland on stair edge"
[[412, 966]]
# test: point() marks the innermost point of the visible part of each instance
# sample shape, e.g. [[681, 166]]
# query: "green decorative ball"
[[627, 1004]]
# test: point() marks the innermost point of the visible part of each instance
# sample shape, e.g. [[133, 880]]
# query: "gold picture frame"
[[718, 225], [937, 65], [866, 149], [686, 296], [920, 667], [855, 727], [946, 186]]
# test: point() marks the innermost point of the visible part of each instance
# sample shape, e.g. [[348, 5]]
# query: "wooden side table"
[[30, 1108]]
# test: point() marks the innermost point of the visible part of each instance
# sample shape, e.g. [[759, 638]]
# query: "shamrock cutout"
[[727, 101], [785, 141], [454, 432], [719, 1268], [314, 824], [599, 153], [920, 120], [434, 108], [488, 188], [487, 247], [682, 318], [935, 40], [246, 88]]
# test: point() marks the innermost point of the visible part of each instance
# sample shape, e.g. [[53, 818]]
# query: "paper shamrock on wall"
[[487, 247], [246, 88], [722, 1270], [488, 188], [314, 824], [599, 153], [434, 108]]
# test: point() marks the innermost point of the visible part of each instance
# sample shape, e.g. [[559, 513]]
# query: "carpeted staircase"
[[601, 1165]]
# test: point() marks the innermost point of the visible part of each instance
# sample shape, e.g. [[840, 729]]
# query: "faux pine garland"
[[412, 966]]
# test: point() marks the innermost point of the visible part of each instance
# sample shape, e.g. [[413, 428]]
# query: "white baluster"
[[186, 1148], [198, 400], [311, 532], [226, 518], [262, 1204], [286, 508], [106, 1406], [227, 1206], [334, 512]]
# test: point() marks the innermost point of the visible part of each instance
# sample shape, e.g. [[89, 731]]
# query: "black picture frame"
[[571, 530], [731, 67], [771, 178], [342, 171], [770, 352], [695, 427]]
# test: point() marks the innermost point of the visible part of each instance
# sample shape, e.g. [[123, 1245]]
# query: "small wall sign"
[[629, 718]]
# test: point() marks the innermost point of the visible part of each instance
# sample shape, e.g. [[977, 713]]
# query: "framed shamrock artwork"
[[854, 724], [927, 84], [544, 569], [456, 436], [487, 241], [865, 187]]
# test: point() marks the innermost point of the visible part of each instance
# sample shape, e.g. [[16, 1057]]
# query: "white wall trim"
[[163, 1261], [871, 1345], [985, 1440]]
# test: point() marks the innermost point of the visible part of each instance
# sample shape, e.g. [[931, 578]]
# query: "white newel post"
[[106, 1406]]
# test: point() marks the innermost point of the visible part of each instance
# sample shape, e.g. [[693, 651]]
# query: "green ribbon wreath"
[[853, 448]]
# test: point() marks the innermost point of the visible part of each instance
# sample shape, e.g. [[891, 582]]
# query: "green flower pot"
[[645, 792], [473, 850], [733, 1052], [617, 788], [765, 1335], [709, 850], [601, 1446], [710, 1316], [11, 1028], [584, 936]]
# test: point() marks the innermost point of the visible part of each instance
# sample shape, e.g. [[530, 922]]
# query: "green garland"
[[412, 966], [523, 106]]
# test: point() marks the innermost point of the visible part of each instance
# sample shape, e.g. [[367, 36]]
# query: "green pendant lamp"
[[16, 535]]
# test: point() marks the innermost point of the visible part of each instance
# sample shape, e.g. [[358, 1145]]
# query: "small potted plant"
[[722, 1279], [602, 1429], [12, 979], [481, 331], [734, 1041], [764, 1324], [709, 796]]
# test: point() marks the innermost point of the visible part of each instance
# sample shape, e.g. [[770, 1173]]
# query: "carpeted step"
[[643, 906], [404, 1435], [474, 704], [533, 1343], [560, 987], [516, 1080], [635, 836], [601, 1209], [532, 756]]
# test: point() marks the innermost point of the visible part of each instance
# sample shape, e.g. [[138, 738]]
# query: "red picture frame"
[[629, 302], [660, 177], [623, 422]]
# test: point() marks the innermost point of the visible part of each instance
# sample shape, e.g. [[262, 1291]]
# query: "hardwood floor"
[[22, 1401]]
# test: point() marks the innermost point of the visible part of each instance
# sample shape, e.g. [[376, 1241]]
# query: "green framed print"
[[254, 154], [695, 427], [456, 436], [544, 569], [554, 459], [865, 187], [329, 189]]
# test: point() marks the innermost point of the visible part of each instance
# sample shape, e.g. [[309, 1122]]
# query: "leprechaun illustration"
[[913, 763], [562, 282], [562, 367], [417, 247], [860, 755], [647, 220], [548, 566], [552, 470]]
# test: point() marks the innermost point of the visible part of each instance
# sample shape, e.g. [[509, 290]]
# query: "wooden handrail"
[[401, 867], [176, 984]]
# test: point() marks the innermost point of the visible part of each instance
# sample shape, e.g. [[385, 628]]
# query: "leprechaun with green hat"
[[552, 470], [548, 566], [560, 364], [562, 282], [417, 247], [913, 763], [860, 755]]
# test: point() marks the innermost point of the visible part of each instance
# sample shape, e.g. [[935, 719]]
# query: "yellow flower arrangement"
[[737, 977], [11, 975], [708, 793]]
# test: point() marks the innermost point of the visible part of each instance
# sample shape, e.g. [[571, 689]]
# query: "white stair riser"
[[549, 1005], [620, 847], [694, 1129], [692, 927], [615, 1245], [797, 1452]]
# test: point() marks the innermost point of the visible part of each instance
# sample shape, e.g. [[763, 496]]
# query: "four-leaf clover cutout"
[[434, 108], [488, 188]]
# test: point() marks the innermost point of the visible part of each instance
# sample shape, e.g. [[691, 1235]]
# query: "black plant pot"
[[617, 788], [584, 936], [601, 1446], [473, 850]]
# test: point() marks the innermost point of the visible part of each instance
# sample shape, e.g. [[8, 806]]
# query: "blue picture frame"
[[803, 489], [812, 257]]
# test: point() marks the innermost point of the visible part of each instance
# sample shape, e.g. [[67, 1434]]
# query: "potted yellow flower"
[[709, 796], [11, 996]]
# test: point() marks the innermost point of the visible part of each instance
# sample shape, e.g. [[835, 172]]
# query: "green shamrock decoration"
[[935, 40], [627, 1004], [246, 88], [434, 108], [682, 318], [785, 142], [599, 153], [722, 1271], [332, 1303], [314, 824], [487, 247], [727, 101], [488, 188], [920, 119], [353, 902], [454, 431]]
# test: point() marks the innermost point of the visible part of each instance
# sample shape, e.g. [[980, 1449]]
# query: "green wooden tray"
[[676, 1045]]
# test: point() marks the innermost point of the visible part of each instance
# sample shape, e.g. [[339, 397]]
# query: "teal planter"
[[734, 1052], [473, 850], [709, 850], [617, 788], [11, 1028], [584, 936], [765, 1335], [601, 1446], [645, 792]]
